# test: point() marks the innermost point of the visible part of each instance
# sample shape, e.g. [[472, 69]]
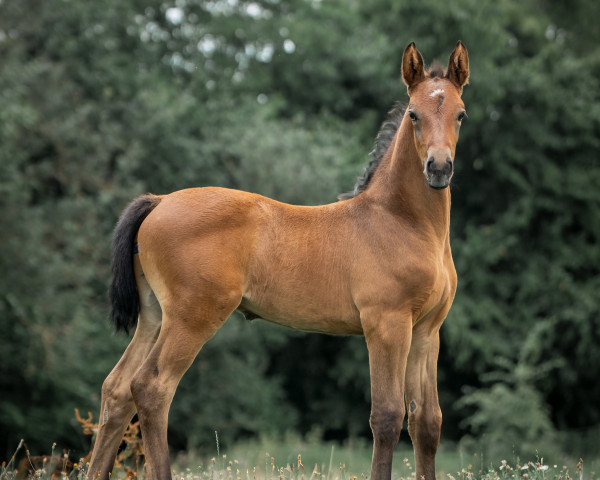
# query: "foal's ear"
[[413, 66], [458, 66]]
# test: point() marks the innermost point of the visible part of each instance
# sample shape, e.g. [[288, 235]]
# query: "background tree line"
[[101, 101]]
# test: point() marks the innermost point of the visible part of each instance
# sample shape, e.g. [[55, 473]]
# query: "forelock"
[[436, 71]]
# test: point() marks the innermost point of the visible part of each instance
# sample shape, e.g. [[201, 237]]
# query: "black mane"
[[382, 142]]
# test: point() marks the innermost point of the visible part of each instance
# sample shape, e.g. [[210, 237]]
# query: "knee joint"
[[425, 428], [386, 426]]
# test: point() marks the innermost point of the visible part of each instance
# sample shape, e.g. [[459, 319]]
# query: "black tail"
[[124, 299]]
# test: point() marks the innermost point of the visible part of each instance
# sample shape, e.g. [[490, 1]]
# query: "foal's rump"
[[197, 242]]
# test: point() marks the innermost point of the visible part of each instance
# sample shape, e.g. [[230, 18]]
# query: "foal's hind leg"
[[117, 407], [184, 332]]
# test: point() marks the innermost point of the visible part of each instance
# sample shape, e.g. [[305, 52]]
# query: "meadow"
[[292, 457]]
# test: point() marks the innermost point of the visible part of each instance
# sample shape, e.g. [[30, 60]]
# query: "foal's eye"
[[412, 116], [461, 116]]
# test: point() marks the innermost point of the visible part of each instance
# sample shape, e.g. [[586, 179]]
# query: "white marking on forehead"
[[436, 92]]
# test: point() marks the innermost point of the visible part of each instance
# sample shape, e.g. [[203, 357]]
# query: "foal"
[[377, 264]]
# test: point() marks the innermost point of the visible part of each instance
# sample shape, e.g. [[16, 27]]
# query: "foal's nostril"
[[432, 167]]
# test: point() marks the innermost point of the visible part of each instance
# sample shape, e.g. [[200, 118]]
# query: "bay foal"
[[377, 264]]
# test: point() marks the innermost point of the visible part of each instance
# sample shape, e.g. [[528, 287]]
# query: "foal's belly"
[[309, 312]]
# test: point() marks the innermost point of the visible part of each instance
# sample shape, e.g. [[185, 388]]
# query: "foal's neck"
[[399, 185]]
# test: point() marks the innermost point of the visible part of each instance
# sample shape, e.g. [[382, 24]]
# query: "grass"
[[297, 460], [291, 457], [294, 458]]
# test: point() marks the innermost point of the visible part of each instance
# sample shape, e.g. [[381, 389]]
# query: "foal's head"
[[436, 110]]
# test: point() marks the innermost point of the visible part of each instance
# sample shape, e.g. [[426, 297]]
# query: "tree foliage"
[[104, 100]]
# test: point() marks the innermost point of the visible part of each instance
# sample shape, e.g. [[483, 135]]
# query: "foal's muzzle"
[[439, 168]]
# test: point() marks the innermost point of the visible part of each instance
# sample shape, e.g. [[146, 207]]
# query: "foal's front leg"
[[388, 340], [424, 413]]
